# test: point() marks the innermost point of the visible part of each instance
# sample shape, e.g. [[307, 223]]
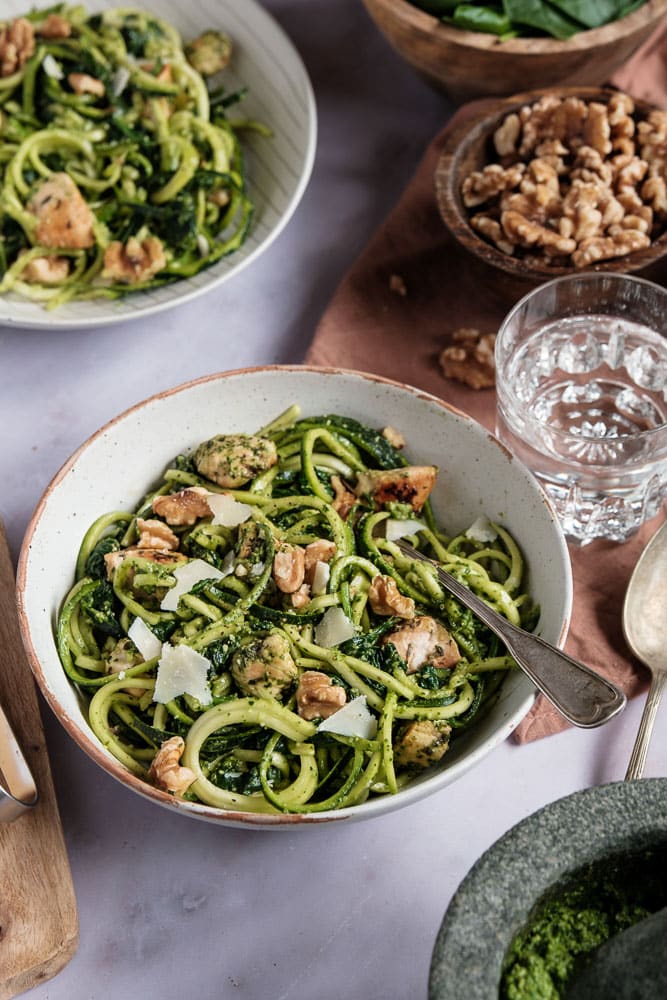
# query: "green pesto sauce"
[[568, 924]]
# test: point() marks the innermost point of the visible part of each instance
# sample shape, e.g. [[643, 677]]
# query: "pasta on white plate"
[[121, 167], [252, 637]]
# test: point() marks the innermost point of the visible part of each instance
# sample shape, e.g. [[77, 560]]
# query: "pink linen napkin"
[[392, 315]]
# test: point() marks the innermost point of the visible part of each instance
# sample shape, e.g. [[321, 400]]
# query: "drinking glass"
[[581, 380]]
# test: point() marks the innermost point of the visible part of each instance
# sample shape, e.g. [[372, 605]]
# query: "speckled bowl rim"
[[537, 854], [416, 790]]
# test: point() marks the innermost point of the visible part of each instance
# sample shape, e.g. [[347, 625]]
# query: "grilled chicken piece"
[[232, 460], [161, 556], [423, 641], [344, 499], [420, 744], [64, 219], [265, 667], [412, 485], [288, 567]]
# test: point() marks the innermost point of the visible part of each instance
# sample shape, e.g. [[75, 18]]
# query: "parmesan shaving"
[[482, 530], [395, 529], [353, 719], [182, 670], [335, 627], [227, 511], [52, 67], [321, 575], [146, 641], [187, 576]]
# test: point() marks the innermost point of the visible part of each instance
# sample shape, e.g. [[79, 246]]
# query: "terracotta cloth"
[[371, 327]]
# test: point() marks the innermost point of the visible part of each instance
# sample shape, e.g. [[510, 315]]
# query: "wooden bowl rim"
[[428, 24], [455, 217]]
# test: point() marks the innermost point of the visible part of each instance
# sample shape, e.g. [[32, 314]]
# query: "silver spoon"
[[583, 697], [645, 630]]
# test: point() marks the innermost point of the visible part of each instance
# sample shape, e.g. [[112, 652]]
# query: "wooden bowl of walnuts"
[[551, 182], [468, 64]]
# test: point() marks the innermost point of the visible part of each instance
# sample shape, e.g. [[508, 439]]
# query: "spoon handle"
[[640, 749], [582, 696]]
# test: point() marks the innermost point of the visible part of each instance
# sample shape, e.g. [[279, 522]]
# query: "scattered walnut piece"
[[54, 26], [507, 134], [482, 185], [344, 500], [17, 45], [301, 597], [154, 534], [618, 244], [529, 233], [166, 772], [492, 230], [470, 358], [82, 83], [133, 262], [654, 192], [317, 697], [385, 598], [397, 285], [185, 507]]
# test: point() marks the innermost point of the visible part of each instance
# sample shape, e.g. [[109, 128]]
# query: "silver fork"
[[581, 695]]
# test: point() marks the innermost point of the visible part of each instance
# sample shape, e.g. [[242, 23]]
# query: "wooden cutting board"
[[39, 927]]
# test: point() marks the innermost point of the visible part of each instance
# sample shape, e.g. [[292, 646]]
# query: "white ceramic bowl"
[[279, 94], [115, 468]]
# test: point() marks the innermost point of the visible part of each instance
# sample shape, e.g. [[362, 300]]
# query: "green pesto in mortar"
[[569, 923]]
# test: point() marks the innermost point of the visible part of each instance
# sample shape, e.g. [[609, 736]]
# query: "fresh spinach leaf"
[[542, 15]]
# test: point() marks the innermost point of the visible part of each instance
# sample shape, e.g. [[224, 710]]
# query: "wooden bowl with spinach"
[[510, 50]]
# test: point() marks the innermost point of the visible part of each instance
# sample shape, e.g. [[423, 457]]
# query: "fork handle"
[[581, 695], [584, 697], [640, 749]]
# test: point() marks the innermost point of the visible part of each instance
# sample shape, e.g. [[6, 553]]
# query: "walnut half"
[[166, 772], [470, 358], [17, 45], [133, 262]]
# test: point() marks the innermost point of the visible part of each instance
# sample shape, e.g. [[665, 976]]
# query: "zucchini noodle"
[[317, 664], [120, 168]]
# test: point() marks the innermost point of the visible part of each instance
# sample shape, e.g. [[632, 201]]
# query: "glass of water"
[[581, 380]]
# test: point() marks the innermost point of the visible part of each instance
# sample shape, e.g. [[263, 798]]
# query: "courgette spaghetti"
[[121, 168], [251, 636]]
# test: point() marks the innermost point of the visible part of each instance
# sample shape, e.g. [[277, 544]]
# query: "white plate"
[[279, 94]]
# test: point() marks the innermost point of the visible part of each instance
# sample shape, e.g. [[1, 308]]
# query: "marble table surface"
[[171, 907]]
